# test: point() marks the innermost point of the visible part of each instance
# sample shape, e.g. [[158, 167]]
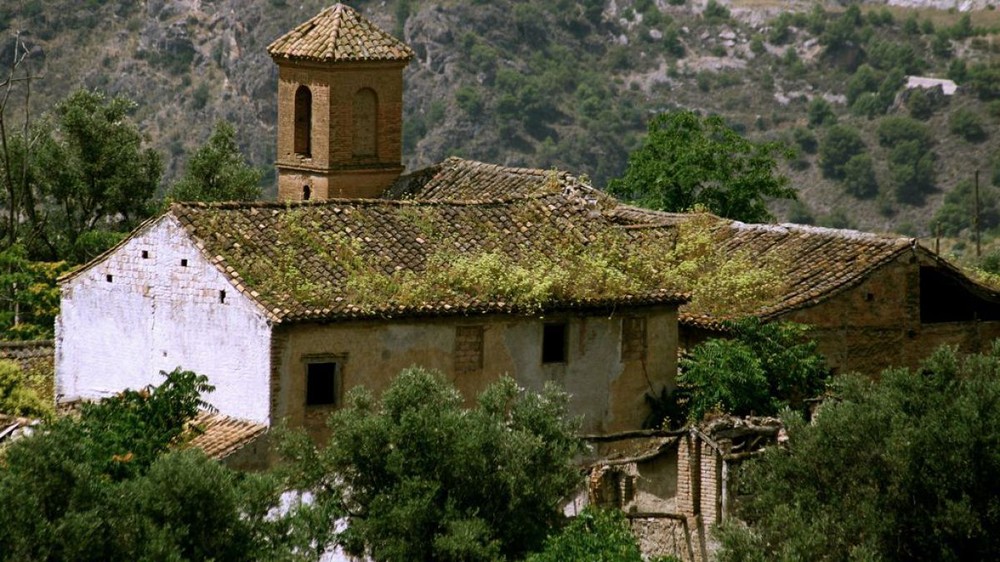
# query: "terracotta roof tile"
[[457, 179], [310, 261], [339, 34], [815, 263], [219, 436]]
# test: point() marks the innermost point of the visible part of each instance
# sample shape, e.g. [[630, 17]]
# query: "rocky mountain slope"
[[541, 83]]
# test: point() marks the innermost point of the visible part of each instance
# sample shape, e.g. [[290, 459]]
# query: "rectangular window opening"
[[222, 296], [554, 343], [321, 384], [184, 263], [110, 278], [145, 254]]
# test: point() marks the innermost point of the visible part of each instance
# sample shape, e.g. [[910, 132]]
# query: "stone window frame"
[[340, 360]]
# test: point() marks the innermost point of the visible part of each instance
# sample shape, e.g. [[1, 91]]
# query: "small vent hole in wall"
[[869, 297], [145, 254], [110, 278], [222, 296], [184, 263]]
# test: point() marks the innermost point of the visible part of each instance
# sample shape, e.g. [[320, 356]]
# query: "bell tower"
[[340, 107]]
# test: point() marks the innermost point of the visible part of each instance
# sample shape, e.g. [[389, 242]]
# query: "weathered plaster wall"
[[155, 314], [372, 353]]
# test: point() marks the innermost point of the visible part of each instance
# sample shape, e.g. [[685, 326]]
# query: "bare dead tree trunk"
[[7, 86]]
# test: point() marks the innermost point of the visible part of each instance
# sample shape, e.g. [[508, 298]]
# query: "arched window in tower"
[[365, 123], [306, 193], [303, 121]]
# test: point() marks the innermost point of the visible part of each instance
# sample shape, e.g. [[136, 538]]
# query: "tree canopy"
[[419, 477], [688, 160], [218, 171], [109, 484], [94, 176], [761, 369], [900, 468]]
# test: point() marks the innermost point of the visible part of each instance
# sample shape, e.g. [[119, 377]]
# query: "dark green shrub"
[[968, 125], [841, 143], [859, 176]]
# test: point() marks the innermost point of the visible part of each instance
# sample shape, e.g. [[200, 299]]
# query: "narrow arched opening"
[[303, 121], [365, 123], [306, 193]]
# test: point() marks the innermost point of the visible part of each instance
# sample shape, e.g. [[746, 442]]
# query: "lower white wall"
[[157, 314]]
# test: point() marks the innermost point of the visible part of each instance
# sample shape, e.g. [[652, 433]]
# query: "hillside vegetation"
[[573, 84]]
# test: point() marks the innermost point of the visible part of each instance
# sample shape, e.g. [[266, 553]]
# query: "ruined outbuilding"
[[674, 486]]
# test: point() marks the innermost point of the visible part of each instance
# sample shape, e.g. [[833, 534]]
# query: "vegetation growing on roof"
[[561, 261]]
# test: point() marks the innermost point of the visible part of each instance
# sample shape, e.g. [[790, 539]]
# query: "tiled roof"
[[309, 261], [457, 179], [815, 263], [219, 436], [339, 34]]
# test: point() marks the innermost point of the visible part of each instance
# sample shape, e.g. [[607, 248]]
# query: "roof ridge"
[[178, 206]]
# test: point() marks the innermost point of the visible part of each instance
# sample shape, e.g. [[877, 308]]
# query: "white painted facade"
[[133, 314]]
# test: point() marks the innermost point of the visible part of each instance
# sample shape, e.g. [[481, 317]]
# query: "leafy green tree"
[[218, 171], [29, 297], [19, 394], [920, 105], [895, 130], [865, 79], [968, 125], [419, 477], [900, 468], [859, 176], [841, 143], [93, 174], [596, 535], [104, 485], [821, 113], [955, 214], [761, 369], [911, 161], [687, 160], [984, 79]]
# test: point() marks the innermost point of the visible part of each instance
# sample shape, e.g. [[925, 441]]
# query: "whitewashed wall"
[[155, 314]]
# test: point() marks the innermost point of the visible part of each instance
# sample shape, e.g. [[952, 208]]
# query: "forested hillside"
[[572, 84]]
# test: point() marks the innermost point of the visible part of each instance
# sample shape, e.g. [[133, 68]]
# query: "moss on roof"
[[356, 258]]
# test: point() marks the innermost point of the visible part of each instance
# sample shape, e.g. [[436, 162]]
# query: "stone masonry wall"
[[156, 303], [332, 169]]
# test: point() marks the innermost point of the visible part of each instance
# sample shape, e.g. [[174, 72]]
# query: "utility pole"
[[975, 219]]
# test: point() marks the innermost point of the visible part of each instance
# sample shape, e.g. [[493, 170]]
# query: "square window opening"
[[554, 343], [110, 278], [145, 254], [184, 263], [321, 384]]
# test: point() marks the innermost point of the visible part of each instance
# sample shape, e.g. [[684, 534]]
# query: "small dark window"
[[145, 254], [222, 296], [303, 122], [306, 193], [321, 384], [184, 263], [554, 343], [110, 278]]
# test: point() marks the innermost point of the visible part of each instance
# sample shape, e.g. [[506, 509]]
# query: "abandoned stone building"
[[287, 305]]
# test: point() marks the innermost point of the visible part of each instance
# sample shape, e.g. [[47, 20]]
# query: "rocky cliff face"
[[565, 83]]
